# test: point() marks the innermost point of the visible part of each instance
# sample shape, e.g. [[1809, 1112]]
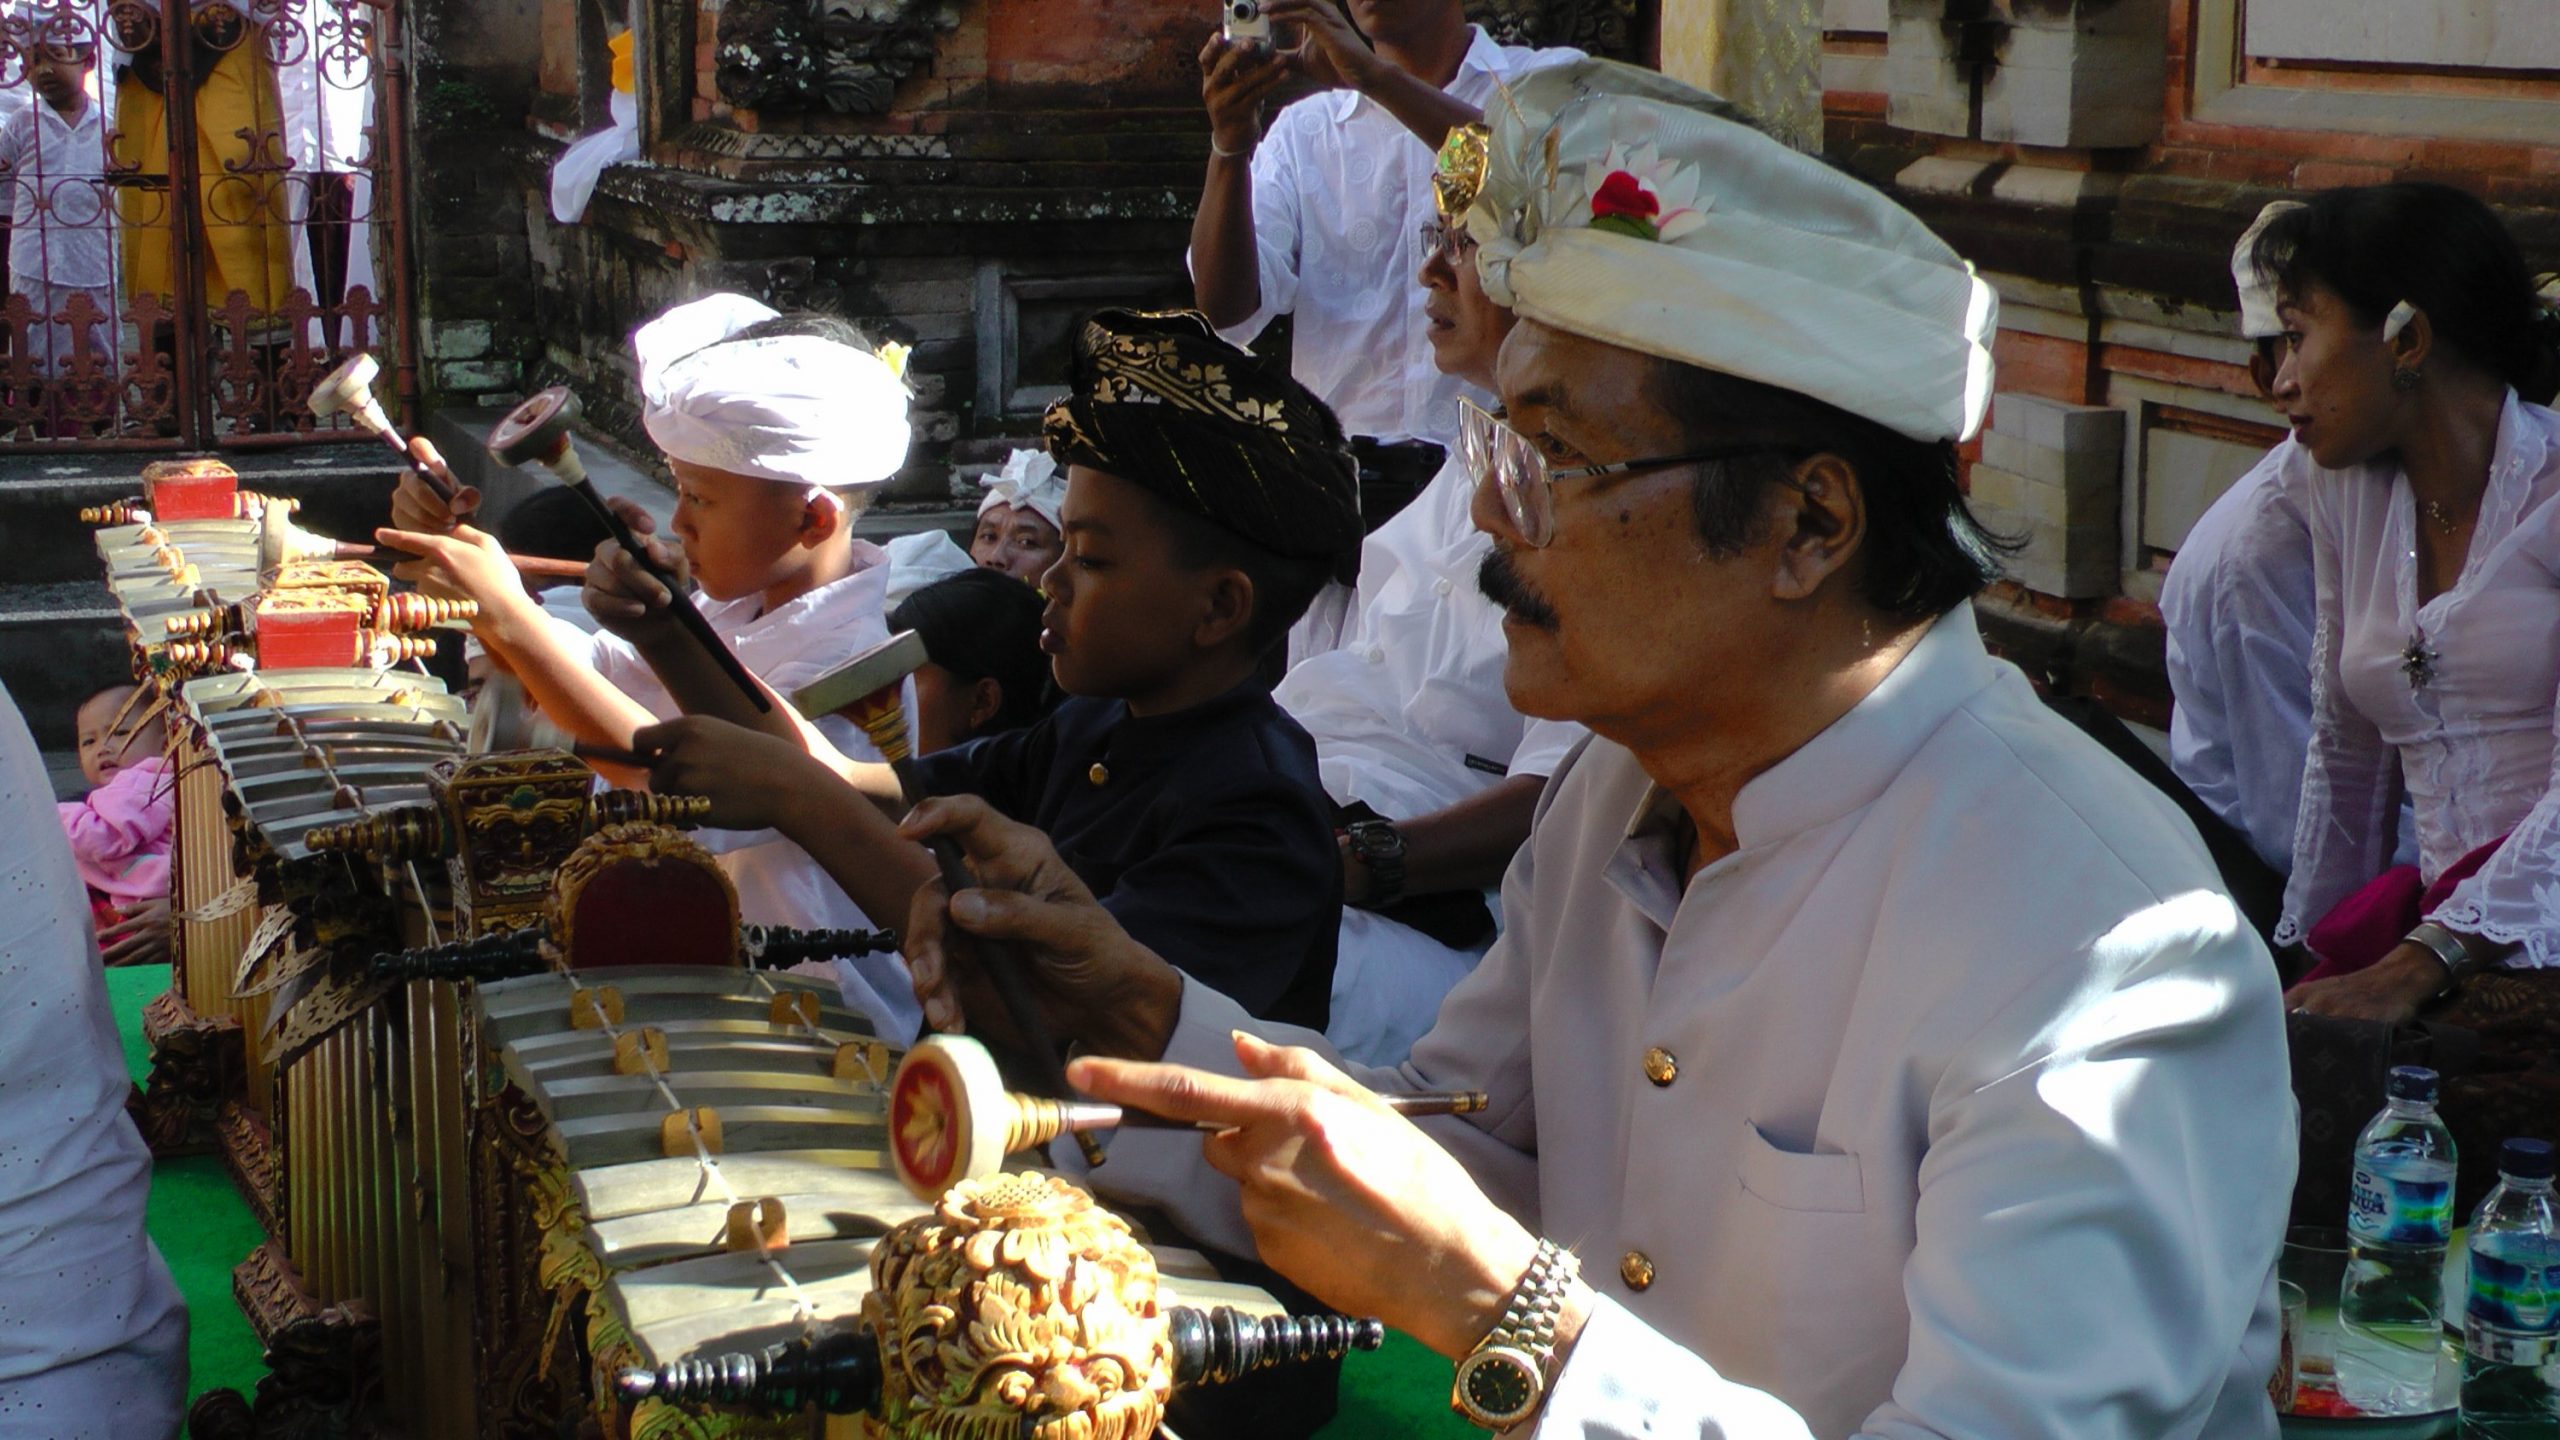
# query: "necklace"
[[2441, 517]]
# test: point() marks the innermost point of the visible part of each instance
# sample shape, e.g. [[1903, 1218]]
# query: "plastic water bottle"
[[2511, 1321], [2399, 1221]]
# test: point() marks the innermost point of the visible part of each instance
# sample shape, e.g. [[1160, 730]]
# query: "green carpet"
[[197, 1218], [203, 1229]]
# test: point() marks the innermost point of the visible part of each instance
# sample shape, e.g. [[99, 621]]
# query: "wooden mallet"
[[951, 1118], [537, 433], [348, 391], [866, 687]]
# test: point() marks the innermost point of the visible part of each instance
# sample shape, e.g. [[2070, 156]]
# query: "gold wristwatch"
[[1502, 1381]]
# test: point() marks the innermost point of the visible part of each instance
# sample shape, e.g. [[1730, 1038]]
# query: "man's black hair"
[[1924, 551]]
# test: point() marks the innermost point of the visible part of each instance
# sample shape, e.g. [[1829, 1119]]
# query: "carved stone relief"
[[781, 57]]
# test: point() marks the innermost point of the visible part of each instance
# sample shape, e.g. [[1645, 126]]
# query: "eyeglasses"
[[1450, 241], [1488, 446]]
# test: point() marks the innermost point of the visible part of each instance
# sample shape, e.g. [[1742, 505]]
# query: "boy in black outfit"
[[1209, 496]]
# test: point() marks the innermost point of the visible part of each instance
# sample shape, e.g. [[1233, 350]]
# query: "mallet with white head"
[[537, 433]]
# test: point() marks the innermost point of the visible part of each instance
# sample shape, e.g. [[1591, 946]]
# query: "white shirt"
[[778, 884], [1341, 191], [93, 1335], [328, 91], [1408, 712], [2474, 744], [60, 227], [1957, 1146], [2237, 606]]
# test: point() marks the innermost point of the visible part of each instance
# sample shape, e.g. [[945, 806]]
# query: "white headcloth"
[[2257, 290], [796, 409], [1617, 207], [1030, 479]]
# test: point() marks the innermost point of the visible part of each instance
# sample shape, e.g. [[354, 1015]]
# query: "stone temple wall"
[[963, 176], [2098, 159]]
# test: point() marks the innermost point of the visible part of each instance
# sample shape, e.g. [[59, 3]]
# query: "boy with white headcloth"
[[777, 428]]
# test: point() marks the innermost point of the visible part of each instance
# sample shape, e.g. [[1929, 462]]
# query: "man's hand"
[[140, 938], [748, 776], [621, 595], [416, 507], [1355, 874], [1330, 53], [1235, 80], [464, 565], [2390, 990], [1345, 1197], [1094, 984]]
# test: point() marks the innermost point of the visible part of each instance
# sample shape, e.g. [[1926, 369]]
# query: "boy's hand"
[[464, 565], [1094, 984], [749, 777], [140, 938], [621, 595], [417, 508]]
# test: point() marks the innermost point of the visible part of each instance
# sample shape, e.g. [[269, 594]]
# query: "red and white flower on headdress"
[[1635, 193]]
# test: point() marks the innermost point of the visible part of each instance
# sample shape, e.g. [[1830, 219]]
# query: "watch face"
[[1498, 1385]]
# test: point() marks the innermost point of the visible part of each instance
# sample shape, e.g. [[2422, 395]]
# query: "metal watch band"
[[2458, 961], [1529, 1317]]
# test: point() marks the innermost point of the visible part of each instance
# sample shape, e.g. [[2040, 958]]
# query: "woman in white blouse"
[[2411, 326]]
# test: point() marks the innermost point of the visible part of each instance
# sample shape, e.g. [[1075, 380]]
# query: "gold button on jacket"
[[1660, 1066], [1636, 1270], [1100, 774]]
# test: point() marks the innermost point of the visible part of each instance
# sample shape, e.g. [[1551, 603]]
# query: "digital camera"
[[1245, 21]]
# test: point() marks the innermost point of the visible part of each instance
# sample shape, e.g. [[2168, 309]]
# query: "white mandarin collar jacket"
[[1954, 1103]]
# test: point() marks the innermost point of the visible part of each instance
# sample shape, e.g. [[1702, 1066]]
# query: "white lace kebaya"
[[2452, 699]]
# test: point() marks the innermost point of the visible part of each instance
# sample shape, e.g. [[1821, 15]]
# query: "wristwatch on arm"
[[2459, 960], [1379, 847], [1504, 1379]]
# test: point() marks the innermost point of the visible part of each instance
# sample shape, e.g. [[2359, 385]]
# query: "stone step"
[[60, 643], [345, 492]]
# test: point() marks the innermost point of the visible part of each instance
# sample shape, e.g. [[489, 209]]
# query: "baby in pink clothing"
[[120, 830]]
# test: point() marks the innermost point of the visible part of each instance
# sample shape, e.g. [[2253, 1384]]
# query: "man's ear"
[[1227, 607], [1822, 521]]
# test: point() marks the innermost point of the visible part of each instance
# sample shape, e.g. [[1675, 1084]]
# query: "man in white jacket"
[[1867, 1052], [93, 1336]]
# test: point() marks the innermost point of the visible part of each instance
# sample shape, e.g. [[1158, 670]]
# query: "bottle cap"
[[2525, 1159], [2410, 1082]]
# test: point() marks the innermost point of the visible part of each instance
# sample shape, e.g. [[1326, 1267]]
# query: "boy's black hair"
[[981, 624], [553, 523], [1283, 586]]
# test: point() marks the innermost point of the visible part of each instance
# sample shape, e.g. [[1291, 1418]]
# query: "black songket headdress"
[[1160, 401]]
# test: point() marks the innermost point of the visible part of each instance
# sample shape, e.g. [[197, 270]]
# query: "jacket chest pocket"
[[1802, 1181]]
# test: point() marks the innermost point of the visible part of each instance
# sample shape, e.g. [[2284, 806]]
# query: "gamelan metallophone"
[[708, 1174]]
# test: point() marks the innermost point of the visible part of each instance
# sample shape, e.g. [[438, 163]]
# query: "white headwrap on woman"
[[1030, 479], [795, 409]]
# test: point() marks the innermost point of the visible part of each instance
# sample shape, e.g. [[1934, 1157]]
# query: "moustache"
[[1499, 581]]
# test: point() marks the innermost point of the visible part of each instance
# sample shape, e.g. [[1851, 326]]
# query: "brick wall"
[[2098, 158]]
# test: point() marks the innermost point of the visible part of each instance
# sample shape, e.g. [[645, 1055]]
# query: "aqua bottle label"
[[2513, 1311], [2388, 1209]]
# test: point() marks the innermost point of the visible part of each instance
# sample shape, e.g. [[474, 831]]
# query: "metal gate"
[[204, 216]]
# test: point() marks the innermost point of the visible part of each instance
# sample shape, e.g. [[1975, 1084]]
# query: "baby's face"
[[106, 749]]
